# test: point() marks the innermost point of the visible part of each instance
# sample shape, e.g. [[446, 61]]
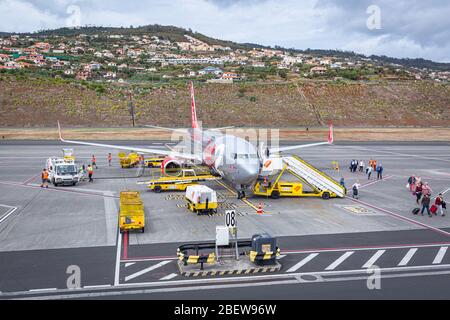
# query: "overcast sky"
[[409, 28]]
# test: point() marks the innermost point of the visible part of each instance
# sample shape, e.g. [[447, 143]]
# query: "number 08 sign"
[[230, 218]]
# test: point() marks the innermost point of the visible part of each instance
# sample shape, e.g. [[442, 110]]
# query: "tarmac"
[[42, 231]]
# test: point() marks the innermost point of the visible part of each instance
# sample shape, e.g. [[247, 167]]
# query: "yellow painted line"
[[226, 187]]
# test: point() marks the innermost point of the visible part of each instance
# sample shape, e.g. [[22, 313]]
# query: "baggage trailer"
[[188, 177], [131, 214], [128, 161], [68, 154], [201, 199], [154, 162]]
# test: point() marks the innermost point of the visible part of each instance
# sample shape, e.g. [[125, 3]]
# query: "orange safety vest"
[[45, 175], [93, 160], [109, 157]]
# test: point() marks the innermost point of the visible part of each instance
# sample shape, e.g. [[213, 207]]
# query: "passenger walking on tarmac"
[[361, 166], [418, 192], [109, 159], [438, 203], [355, 189], [342, 182], [94, 162], [426, 189], [44, 177], [412, 183], [90, 171], [380, 172], [426, 205], [369, 172]]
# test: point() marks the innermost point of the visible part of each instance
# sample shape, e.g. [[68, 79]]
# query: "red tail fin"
[[330, 134], [193, 111]]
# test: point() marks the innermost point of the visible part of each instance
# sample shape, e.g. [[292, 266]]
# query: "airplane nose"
[[249, 173]]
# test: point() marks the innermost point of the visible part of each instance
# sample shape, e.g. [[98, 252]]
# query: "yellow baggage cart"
[[131, 215]]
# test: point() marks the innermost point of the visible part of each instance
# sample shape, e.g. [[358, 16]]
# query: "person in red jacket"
[[438, 203], [418, 192]]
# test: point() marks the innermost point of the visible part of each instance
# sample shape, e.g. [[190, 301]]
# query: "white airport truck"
[[62, 171]]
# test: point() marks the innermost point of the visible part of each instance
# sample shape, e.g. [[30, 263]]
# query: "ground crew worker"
[[44, 176], [109, 159], [90, 171], [94, 162]]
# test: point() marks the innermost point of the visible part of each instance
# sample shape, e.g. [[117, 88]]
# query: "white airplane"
[[236, 160]]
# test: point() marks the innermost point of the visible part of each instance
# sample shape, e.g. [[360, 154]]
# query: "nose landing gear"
[[241, 193]]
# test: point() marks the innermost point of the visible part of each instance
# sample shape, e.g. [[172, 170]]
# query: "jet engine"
[[171, 167]]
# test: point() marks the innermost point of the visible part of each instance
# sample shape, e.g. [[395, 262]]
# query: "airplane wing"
[[330, 141], [181, 130], [174, 154], [186, 130]]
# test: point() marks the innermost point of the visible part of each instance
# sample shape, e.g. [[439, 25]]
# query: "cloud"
[[409, 28]]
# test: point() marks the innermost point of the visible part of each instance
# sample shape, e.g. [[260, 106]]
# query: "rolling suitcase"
[[416, 211], [433, 209]]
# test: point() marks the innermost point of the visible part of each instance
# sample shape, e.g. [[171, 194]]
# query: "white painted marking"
[[111, 220], [281, 256], [440, 255], [199, 284], [373, 259], [46, 289], [302, 262], [365, 248], [10, 212], [129, 264], [97, 286], [118, 253], [170, 276], [341, 259], [408, 256], [140, 273]]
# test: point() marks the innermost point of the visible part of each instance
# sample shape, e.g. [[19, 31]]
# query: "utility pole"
[[131, 107]]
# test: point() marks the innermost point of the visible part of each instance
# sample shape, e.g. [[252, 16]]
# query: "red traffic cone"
[[260, 210]]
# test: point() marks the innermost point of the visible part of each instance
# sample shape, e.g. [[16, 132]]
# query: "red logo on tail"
[[330, 134]]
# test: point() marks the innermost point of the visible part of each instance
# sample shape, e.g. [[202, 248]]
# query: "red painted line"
[[400, 217], [31, 179], [125, 246]]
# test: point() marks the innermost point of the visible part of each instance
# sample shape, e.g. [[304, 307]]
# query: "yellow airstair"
[[321, 184]]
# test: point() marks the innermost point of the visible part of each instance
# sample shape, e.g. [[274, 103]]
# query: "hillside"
[[41, 102], [175, 34]]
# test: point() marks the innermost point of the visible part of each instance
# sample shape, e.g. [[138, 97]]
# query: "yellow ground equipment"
[[132, 215], [188, 177], [128, 161], [153, 162], [68, 154], [320, 184], [201, 199]]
